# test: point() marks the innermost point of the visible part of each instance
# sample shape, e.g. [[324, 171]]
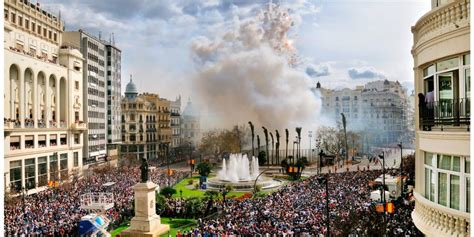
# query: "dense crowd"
[[56, 211], [298, 209]]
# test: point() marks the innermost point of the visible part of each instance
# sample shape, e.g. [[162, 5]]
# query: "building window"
[[53, 168], [20, 21], [5, 14], [33, 27], [27, 24], [42, 171], [13, 17], [14, 143], [63, 166], [15, 175], [76, 85], [76, 159], [76, 139], [444, 177], [30, 173]]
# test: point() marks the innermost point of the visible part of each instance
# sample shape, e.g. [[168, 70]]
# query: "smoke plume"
[[249, 74]]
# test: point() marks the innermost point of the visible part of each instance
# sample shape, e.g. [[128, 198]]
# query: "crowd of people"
[[57, 211], [298, 209]]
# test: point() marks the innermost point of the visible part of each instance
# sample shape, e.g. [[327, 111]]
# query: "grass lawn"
[[119, 229], [175, 225], [195, 192], [178, 224]]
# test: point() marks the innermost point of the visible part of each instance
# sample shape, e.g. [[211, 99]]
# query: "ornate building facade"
[[43, 102], [441, 53], [146, 125]]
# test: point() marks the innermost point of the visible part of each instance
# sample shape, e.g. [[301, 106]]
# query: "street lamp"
[[382, 156], [323, 180], [401, 166], [310, 135]]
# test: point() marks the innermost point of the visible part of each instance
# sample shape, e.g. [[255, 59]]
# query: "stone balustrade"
[[439, 220], [442, 19]]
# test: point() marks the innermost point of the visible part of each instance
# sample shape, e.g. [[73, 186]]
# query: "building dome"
[[131, 89]]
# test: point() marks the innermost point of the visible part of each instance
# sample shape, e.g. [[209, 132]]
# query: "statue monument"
[[146, 222]]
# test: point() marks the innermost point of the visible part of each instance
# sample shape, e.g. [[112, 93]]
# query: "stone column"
[[58, 120], [35, 100], [47, 106], [146, 222], [22, 98]]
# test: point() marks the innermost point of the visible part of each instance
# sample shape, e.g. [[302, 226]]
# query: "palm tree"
[[277, 147], [298, 131], [286, 131], [251, 129], [273, 146], [345, 136], [258, 145], [265, 132]]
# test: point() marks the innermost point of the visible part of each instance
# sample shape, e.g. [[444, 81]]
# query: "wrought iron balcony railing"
[[444, 113]]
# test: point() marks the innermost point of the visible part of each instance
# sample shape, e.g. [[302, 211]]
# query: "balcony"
[[436, 220], [174, 114], [445, 114], [38, 57], [79, 126], [441, 20]]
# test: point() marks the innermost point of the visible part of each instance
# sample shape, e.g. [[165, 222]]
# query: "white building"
[[176, 123], [94, 93], [441, 53], [378, 108], [42, 99], [190, 125], [114, 95]]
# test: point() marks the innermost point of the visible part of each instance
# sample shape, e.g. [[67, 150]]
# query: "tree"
[[194, 207], [301, 164], [331, 139], [286, 131], [258, 145], [298, 131], [265, 132], [262, 158], [161, 204], [284, 164], [168, 192], [252, 131], [277, 147], [204, 168], [273, 148]]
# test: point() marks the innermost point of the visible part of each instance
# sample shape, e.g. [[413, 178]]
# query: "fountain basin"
[[265, 183]]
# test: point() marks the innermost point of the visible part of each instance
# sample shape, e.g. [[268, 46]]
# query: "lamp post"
[[401, 166], [310, 135], [324, 180], [382, 156]]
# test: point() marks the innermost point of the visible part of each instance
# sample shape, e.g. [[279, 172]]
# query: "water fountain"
[[240, 172]]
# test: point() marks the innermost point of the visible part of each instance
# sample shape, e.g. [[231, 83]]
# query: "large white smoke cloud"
[[249, 74]]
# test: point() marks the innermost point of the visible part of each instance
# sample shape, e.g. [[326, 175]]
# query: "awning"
[[52, 136], [29, 137], [42, 137], [15, 139], [63, 135]]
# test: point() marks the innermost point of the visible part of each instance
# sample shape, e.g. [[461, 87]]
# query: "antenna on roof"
[[100, 35], [113, 38]]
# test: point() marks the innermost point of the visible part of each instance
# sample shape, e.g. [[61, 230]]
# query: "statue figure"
[[144, 170]]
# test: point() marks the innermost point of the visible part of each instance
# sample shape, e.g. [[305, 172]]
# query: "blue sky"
[[340, 42]]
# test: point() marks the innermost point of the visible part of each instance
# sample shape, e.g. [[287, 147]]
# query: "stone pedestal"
[[146, 222]]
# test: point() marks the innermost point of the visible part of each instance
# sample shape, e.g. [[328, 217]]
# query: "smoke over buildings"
[[249, 74]]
